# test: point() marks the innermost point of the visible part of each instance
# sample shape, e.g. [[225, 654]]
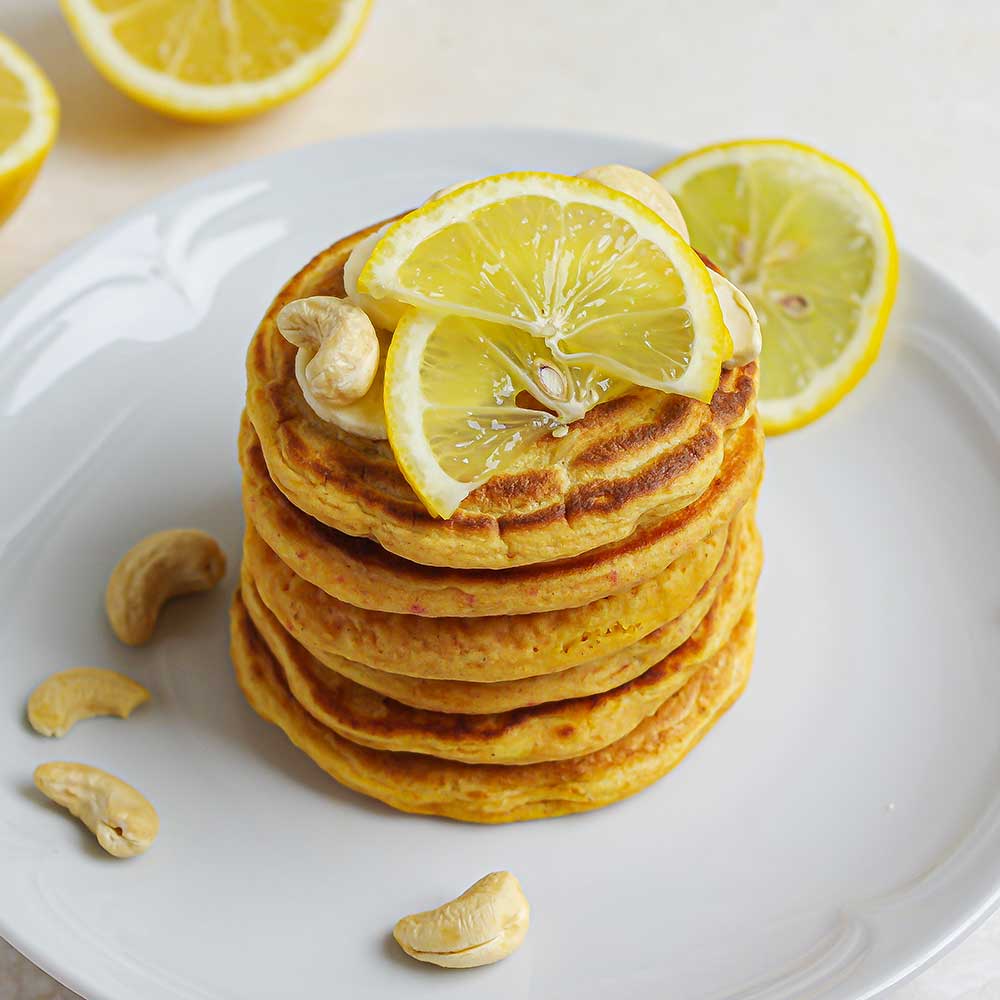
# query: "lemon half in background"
[[29, 120], [809, 242], [208, 61]]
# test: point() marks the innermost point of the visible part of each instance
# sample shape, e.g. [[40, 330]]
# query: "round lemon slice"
[[29, 120], [534, 298], [214, 61], [810, 244]]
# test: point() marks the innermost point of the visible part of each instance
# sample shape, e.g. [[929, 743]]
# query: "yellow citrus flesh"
[[29, 120], [809, 242], [215, 60], [530, 289]]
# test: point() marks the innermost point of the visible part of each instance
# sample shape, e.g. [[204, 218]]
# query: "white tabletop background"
[[907, 91]]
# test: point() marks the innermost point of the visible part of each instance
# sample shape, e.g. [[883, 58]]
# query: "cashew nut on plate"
[[63, 699], [121, 817], [161, 566], [483, 925]]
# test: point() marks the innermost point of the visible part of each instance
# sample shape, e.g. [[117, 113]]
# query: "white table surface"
[[908, 91]]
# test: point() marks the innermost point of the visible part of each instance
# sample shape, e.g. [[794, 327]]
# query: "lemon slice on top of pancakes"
[[534, 298]]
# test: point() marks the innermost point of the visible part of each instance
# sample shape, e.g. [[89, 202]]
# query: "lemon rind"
[[438, 491]]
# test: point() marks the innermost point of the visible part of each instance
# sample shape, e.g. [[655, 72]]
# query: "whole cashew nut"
[[343, 344], [645, 189], [121, 818], [483, 925], [63, 699], [161, 566]]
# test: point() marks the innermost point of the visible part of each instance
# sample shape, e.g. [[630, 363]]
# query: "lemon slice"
[[536, 297], [205, 60], [29, 120], [809, 242]]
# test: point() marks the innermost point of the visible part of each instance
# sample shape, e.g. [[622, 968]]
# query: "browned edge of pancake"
[[487, 649], [591, 677], [488, 793], [362, 573], [555, 730]]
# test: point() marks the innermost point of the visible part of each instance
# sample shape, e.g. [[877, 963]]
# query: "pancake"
[[634, 459], [556, 730], [480, 649], [360, 572], [495, 793], [731, 586]]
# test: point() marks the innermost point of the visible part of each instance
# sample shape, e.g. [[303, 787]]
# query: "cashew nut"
[[342, 343], [63, 699], [121, 818], [645, 189], [485, 924], [161, 566], [741, 321]]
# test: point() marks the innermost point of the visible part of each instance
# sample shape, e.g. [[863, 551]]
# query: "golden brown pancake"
[[493, 793], [498, 648], [630, 461], [360, 572], [555, 730], [731, 585]]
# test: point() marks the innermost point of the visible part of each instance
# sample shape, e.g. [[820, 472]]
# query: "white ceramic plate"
[[837, 830]]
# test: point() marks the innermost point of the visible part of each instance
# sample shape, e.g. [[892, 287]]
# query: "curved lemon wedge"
[[214, 61], [534, 297], [29, 120], [811, 245]]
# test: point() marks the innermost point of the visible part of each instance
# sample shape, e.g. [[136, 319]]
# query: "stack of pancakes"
[[557, 645]]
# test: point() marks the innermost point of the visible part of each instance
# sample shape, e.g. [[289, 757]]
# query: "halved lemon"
[[809, 242], [215, 60], [534, 298], [29, 120]]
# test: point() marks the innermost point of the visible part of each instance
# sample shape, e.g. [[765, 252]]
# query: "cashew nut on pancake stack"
[[556, 643]]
